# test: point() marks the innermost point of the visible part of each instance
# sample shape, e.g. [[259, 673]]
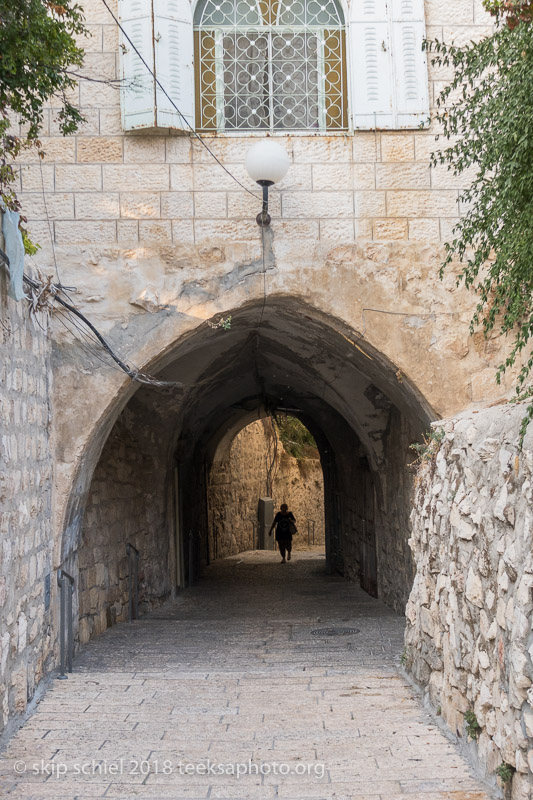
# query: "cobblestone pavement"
[[241, 668]]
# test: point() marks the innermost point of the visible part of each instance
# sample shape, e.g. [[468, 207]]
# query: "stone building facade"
[[336, 311]]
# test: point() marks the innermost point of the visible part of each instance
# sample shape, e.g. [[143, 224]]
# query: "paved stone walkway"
[[241, 673]]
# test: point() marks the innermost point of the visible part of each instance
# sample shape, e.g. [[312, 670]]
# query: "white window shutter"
[[137, 94], [162, 32], [174, 63], [370, 65], [411, 99]]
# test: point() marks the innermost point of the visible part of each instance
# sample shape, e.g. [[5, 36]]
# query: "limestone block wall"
[[157, 238], [469, 638], [395, 495], [26, 537], [106, 187], [126, 504], [374, 514], [239, 480]]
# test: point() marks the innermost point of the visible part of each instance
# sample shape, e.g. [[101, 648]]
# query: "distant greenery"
[[38, 53], [512, 13], [295, 437], [486, 114]]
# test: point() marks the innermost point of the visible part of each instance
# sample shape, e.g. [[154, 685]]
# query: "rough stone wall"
[[469, 617], [26, 536], [126, 504], [240, 479]]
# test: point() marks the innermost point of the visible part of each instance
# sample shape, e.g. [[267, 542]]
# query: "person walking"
[[285, 525]]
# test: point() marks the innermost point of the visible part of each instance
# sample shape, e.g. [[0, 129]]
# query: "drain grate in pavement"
[[334, 631]]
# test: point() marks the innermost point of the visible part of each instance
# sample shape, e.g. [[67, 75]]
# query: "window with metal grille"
[[270, 65]]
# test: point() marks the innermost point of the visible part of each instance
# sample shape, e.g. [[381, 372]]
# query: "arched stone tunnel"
[[149, 486]]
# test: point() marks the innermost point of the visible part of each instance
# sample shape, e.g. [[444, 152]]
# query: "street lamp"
[[267, 163]]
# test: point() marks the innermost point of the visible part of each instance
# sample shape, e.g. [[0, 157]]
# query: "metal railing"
[[133, 581], [311, 531], [192, 558], [66, 640]]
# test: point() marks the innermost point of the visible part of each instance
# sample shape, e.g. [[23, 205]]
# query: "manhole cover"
[[334, 631]]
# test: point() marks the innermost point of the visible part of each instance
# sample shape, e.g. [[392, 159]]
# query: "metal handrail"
[[65, 622], [133, 582], [310, 527], [192, 558]]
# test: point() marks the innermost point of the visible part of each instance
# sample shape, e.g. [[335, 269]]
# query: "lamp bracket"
[[263, 218]]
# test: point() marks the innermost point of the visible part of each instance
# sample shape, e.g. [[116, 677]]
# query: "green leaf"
[[491, 124], [38, 52]]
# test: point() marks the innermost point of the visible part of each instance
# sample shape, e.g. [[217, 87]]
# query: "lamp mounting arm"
[[263, 218]]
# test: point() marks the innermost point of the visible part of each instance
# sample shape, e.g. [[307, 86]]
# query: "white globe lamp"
[[267, 163]]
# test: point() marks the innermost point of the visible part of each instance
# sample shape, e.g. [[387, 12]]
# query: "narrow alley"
[[281, 673]]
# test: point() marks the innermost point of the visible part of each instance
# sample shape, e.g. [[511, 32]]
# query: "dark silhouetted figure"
[[285, 525]]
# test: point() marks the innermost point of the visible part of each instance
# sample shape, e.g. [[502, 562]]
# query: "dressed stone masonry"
[[26, 538], [469, 634]]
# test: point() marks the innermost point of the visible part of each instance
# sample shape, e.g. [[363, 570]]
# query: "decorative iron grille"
[[270, 65]]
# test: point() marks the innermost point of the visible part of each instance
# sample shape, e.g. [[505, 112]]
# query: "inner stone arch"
[[150, 485], [271, 460]]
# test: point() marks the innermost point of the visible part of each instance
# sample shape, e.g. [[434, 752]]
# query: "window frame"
[[270, 30], [382, 46]]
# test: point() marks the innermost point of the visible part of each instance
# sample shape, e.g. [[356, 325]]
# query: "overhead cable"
[[134, 374], [51, 290]]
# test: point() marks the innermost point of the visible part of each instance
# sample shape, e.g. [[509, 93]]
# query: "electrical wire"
[[51, 234], [90, 339], [62, 317], [92, 343], [52, 243], [87, 342], [169, 98], [134, 374], [362, 335], [426, 314]]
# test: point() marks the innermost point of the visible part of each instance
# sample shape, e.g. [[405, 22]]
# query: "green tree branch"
[[38, 51], [486, 114]]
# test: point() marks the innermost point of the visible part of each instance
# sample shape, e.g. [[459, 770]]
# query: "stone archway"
[[361, 411], [272, 460]]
